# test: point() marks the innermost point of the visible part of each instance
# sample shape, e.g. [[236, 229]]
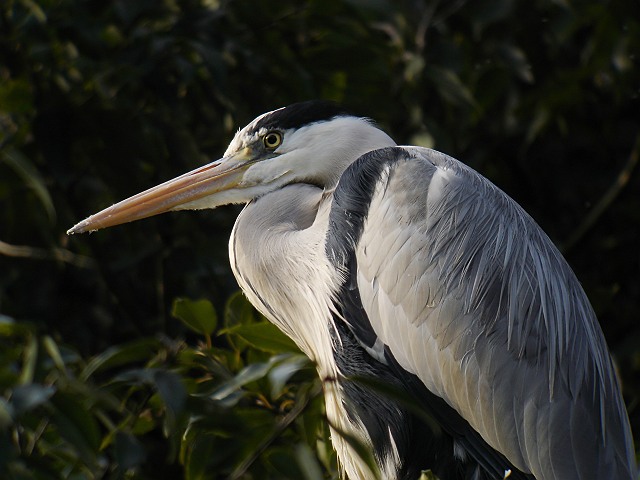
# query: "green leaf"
[[30, 360], [308, 463], [250, 373], [199, 453], [168, 385], [137, 351], [238, 311], [264, 336], [136, 376], [77, 425], [54, 352], [282, 372], [450, 86], [6, 415], [25, 169], [171, 390], [198, 315], [283, 462], [428, 475], [7, 325], [16, 96], [35, 10], [516, 59], [168, 402], [28, 397], [129, 451]]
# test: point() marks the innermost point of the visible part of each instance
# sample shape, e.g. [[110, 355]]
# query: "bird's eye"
[[272, 140]]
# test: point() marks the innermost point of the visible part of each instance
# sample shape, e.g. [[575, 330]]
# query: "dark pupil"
[[272, 139]]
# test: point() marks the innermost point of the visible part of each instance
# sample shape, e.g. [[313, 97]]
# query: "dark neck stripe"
[[351, 202]]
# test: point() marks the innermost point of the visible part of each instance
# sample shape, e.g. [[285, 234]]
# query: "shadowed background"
[[100, 100]]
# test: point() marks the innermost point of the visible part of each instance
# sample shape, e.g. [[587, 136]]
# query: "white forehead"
[[249, 134]]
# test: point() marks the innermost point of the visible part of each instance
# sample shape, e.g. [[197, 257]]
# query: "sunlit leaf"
[[264, 336], [428, 475], [281, 373], [249, 374]]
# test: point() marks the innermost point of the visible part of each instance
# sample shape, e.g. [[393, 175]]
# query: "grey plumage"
[[512, 340], [402, 265]]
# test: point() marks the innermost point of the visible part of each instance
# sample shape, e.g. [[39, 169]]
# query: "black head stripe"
[[301, 114]]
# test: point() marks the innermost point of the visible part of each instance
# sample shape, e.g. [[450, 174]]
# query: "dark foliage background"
[[112, 363]]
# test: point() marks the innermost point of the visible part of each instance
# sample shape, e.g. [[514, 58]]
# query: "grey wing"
[[469, 294]]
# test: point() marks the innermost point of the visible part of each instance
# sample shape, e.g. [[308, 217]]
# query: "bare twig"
[[56, 254], [607, 199], [423, 26]]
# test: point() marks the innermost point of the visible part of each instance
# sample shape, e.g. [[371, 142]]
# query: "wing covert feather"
[[472, 297]]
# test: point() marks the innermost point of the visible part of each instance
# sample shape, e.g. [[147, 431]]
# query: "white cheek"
[[266, 171]]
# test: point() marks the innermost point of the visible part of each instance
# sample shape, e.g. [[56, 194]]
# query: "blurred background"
[[108, 341]]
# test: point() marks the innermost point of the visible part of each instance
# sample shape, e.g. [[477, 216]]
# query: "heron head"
[[309, 142]]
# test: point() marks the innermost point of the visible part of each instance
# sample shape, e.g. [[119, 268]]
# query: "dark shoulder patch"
[[351, 201], [301, 114], [349, 210]]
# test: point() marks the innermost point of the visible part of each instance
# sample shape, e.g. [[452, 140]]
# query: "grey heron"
[[402, 264]]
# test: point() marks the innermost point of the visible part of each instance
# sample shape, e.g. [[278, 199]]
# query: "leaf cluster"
[[160, 408]]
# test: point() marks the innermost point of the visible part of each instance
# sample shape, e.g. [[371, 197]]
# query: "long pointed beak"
[[175, 194]]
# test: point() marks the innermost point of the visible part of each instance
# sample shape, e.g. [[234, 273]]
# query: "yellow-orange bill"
[[214, 177]]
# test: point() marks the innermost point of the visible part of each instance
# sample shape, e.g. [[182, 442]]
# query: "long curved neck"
[[277, 253], [277, 256]]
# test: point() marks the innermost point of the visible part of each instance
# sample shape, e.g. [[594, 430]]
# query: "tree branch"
[[56, 254], [607, 199]]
